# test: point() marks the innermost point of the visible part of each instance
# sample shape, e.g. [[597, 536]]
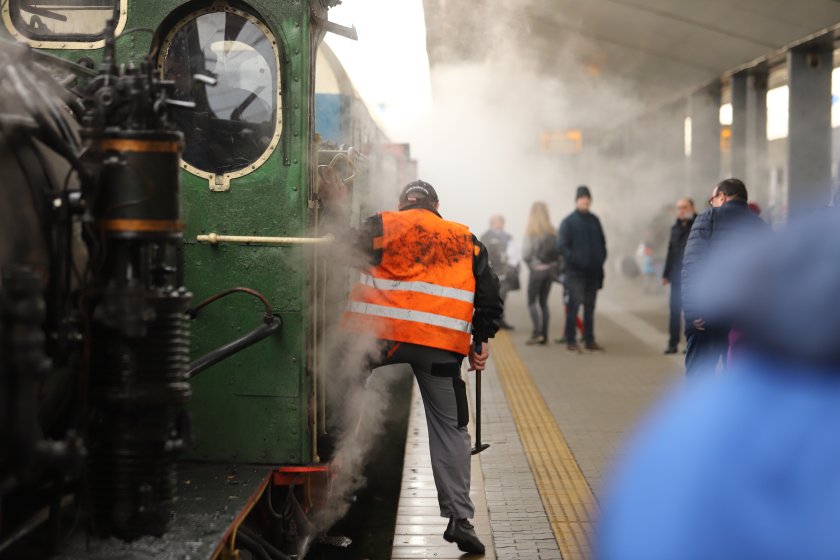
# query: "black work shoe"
[[593, 347], [462, 533], [506, 326], [671, 350]]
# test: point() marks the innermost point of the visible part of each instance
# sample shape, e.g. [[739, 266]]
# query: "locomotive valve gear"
[[428, 292], [137, 424]]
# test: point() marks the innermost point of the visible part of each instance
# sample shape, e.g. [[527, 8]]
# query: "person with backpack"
[[539, 251], [581, 243]]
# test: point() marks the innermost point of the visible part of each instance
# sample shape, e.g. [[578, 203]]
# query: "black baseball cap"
[[418, 191]]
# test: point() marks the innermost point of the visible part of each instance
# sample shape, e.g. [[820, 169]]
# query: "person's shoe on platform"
[[573, 348], [535, 340], [671, 350], [505, 325], [462, 533], [593, 347]]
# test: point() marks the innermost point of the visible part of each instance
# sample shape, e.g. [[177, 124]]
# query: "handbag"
[[511, 279]]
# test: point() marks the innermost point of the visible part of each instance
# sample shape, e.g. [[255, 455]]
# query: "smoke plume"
[[510, 81]]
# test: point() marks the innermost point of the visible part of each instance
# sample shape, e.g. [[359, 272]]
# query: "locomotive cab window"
[[53, 22], [236, 122]]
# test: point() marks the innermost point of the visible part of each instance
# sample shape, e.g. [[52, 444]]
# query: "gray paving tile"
[[597, 398]]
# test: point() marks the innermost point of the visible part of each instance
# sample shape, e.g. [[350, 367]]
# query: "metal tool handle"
[[479, 447], [477, 349]]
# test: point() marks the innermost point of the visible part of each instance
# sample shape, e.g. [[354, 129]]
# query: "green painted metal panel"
[[253, 407]]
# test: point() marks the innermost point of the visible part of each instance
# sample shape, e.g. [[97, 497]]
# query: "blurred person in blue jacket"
[[746, 466]]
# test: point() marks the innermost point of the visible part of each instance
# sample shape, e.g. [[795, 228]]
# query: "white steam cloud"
[[482, 143]]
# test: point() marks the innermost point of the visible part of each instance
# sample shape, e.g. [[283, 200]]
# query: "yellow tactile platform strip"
[[566, 496]]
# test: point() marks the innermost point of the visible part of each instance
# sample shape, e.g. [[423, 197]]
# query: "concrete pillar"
[[670, 134], [758, 170], [704, 160], [738, 141], [809, 125]]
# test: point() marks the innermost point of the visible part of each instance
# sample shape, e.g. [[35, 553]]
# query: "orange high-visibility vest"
[[422, 291]]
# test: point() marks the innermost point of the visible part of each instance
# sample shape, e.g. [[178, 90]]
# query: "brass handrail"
[[215, 239]]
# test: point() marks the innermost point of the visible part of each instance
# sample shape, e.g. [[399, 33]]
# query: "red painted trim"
[[303, 468]]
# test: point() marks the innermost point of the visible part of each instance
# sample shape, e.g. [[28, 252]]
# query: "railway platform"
[[555, 422]]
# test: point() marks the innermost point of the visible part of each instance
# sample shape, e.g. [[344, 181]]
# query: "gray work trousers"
[[444, 393]]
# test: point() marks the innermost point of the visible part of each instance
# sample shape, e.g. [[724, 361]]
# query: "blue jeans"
[[581, 290], [676, 315], [539, 285]]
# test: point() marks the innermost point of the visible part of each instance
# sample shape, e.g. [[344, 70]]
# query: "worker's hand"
[[699, 324], [665, 281], [478, 361]]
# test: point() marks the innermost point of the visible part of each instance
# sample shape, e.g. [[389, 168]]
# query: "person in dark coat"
[[581, 242], [721, 229], [672, 274]]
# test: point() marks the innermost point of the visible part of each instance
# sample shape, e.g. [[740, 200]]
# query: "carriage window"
[[61, 20], [234, 122]]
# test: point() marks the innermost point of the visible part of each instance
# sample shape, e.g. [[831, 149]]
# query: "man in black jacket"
[[581, 241], [673, 268], [721, 229]]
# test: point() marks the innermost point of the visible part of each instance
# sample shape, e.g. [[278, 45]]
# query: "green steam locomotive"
[[261, 193]]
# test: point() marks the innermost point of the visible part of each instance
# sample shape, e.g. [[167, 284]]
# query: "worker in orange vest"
[[430, 295]]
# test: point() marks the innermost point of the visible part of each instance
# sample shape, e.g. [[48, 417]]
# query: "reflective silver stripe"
[[419, 287], [409, 315]]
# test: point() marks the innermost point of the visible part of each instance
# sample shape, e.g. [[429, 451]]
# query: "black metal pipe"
[[274, 552], [271, 325], [252, 546], [192, 313]]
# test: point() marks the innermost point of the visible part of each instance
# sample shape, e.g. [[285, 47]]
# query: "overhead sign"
[[725, 138], [561, 142]]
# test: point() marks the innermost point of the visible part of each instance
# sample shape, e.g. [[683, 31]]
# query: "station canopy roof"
[[658, 48]]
